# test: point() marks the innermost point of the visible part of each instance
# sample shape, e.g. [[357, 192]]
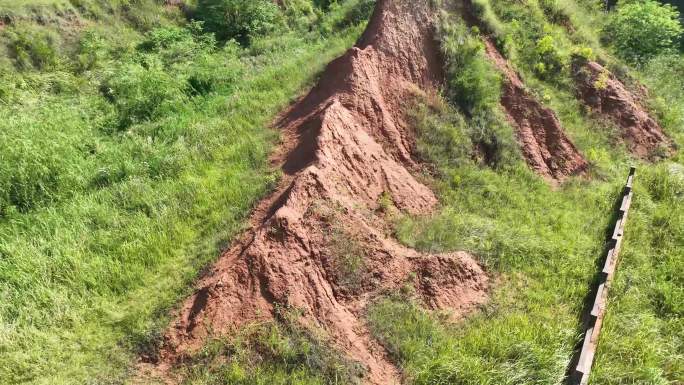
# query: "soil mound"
[[544, 144], [607, 96], [320, 243]]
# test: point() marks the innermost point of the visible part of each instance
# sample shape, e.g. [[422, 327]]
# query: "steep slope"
[[544, 144], [346, 149], [608, 97]]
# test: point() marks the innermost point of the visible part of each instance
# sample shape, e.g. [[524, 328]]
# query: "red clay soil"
[[607, 96], [347, 148], [544, 144]]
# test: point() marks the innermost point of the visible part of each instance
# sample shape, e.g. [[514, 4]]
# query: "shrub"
[[473, 83], [443, 136], [359, 13], [491, 23], [33, 49], [238, 19], [178, 45], [352, 13], [92, 49], [644, 29], [583, 54], [549, 60], [141, 93], [300, 14], [209, 73]]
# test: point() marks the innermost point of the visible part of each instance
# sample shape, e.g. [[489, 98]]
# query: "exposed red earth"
[[347, 149], [544, 144], [607, 96]]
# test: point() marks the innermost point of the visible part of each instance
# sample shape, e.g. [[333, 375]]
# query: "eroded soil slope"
[[544, 144], [607, 96], [347, 148]]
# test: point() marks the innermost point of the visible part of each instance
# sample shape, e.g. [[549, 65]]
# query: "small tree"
[[641, 30], [238, 19]]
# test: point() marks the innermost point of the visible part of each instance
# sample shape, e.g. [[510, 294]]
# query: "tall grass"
[[271, 353], [125, 169]]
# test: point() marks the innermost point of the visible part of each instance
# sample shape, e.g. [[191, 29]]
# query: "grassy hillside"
[[133, 143], [543, 243], [132, 146]]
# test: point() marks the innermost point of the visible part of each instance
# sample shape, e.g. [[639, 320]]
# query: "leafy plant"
[[33, 49], [640, 30], [443, 137], [241, 20], [141, 92], [549, 60], [475, 86]]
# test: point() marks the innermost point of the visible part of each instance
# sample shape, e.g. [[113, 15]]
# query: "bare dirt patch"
[[608, 97], [347, 149], [545, 146]]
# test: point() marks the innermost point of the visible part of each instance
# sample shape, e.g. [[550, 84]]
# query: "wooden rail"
[[582, 371]]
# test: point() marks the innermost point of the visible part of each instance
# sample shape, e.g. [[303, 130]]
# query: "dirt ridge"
[[608, 97], [544, 144], [346, 150]]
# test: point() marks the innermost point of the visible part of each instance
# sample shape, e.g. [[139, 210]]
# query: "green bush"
[[473, 83], [490, 21], [350, 13], [640, 30], [359, 13], [549, 61], [33, 49], [210, 73], [92, 49], [443, 137], [300, 14], [238, 19], [142, 93]]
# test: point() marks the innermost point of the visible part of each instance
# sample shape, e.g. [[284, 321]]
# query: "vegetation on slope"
[[543, 243], [280, 353], [132, 146]]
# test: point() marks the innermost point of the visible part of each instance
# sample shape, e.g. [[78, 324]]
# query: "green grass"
[[125, 168], [543, 245], [278, 353], [132, 147]]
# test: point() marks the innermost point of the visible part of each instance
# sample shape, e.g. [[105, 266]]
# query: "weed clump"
[[475, 86], [241, 20], [274, 352], [641, 30]]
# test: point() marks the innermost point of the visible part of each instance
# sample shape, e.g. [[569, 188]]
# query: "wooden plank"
[[599, 301], [581, 374], [626, 203], [609, 266], [587, 354], [617, 232]]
